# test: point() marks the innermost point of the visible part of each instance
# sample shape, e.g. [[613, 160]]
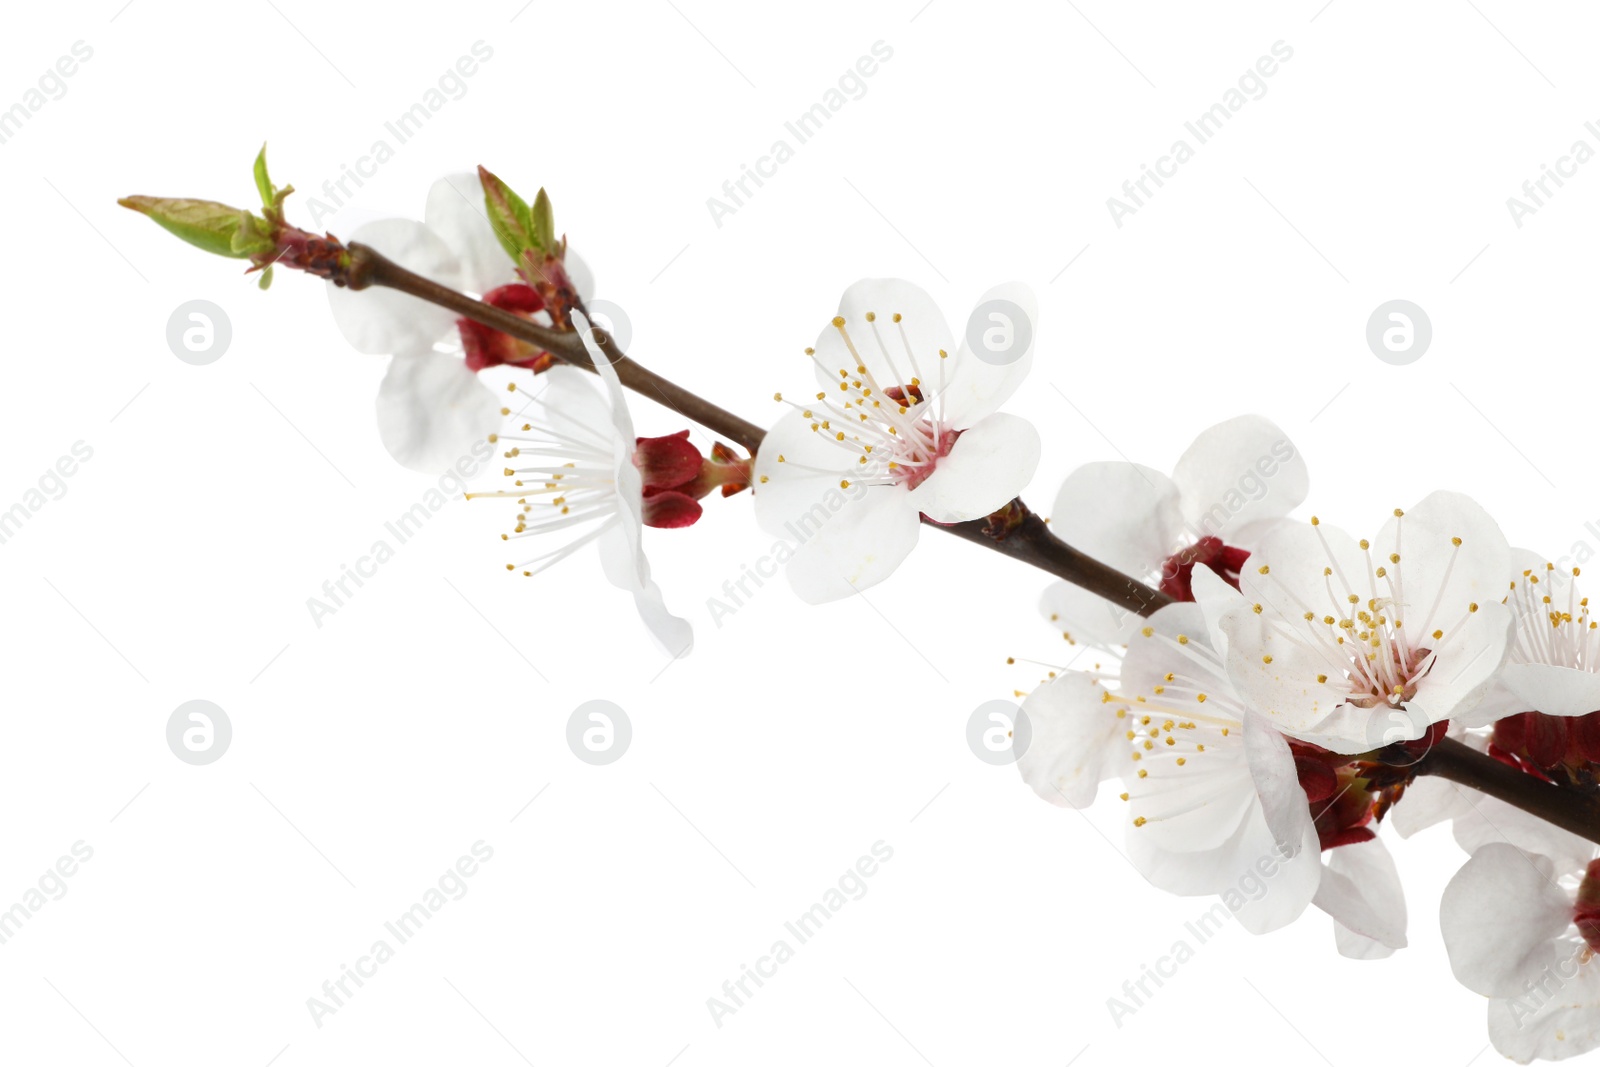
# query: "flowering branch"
[[1014, 531], [1572, 811], [1275, 654], [1017, 532], [369, 267]]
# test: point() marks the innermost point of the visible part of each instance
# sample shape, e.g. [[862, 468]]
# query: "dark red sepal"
[[670, 510], [667, 462], [1353, 835], [488, 347]]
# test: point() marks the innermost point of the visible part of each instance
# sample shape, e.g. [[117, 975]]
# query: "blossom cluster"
[[1277, 689], [1242, 721], [1280, 706]]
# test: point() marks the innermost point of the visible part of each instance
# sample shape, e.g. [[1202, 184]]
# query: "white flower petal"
[[1291, 875], [622, 546], [1500, 916], [975, 387], [1149, 658], [1551, 689], [1123, 514], [796, 470], [1087, 618], [1077, 740], [893, 352], [580, 274], [673, 635], [1466, 665], [1496, 704], [456, 212], [1198, 809], [1257, 884], [1555, 1023], [432, 410], [1441, 579], [1239, 475], [988, 466], [622, 558], [571, 402], [1216, 598], [1361, 890], [1286, 689], [1428, 801], [1297, 556], [380, 320], [1493, 822], [1199, 803], [608, 374], [1277, 782], [850, 544], [1354, 946]]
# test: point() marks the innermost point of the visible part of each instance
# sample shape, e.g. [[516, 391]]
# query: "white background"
[[370, 753]]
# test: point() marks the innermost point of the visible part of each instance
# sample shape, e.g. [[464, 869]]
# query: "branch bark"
[[1454, 761], [1017, 532], [370, 267], [1014, 531]]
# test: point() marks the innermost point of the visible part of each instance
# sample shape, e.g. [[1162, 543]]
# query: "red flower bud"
[[669, 462], [668, 509], [488, 347]]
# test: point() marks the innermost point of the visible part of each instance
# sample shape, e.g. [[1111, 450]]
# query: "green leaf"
[[252, 236], [544, 222], [263, 182], [509, 216], [206, 224], [266, 279]]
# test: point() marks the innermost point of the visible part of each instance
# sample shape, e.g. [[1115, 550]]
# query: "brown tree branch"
[[1456, 762]]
